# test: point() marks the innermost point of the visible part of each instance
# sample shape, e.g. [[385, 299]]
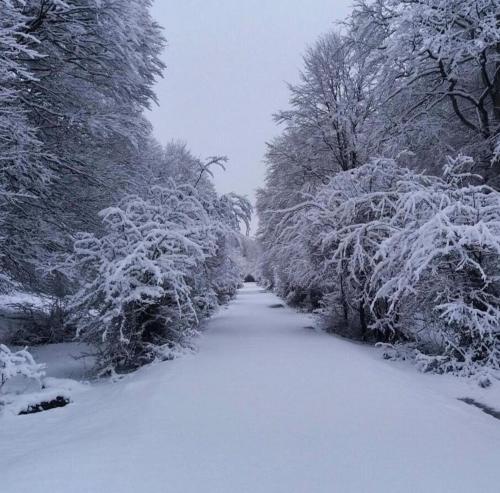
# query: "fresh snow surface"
[[265, 405]]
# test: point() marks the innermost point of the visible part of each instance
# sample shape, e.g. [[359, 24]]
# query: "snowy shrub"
[[18, 364], [140, 275], [398, 249], [357, 203], [441, 263], [160, 266], [334, 237], [402, 256]]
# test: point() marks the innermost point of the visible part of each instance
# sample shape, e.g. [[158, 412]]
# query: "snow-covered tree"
[[330, 127], [438, 74], [162, 262], [398, 255], [139, 277], [438, 272], [22, 172], [358, 216], [229, 214], [334, 102], [86, 81]]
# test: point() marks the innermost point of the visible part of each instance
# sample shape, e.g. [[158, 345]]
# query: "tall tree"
[[441, 73], [90, 79]]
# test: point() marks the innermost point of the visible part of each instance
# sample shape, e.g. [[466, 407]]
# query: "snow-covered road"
[[266, 405]]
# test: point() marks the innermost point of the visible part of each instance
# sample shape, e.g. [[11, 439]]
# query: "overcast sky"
[[227, 64]]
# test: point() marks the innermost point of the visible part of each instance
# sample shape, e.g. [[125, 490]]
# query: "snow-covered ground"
[[266, 405]]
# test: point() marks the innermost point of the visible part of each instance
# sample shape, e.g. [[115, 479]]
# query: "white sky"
[[227, 64]]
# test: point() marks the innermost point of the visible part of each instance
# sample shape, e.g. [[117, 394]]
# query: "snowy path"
[[265, 406]]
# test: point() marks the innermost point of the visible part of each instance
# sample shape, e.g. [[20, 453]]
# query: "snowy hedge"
[[161, 265], [388, 252], [399, 255]]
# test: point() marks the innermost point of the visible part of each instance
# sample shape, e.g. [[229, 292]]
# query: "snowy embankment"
[[266, 405]]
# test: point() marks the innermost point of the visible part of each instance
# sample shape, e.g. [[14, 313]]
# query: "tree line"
[[128, 237], [381, 206]]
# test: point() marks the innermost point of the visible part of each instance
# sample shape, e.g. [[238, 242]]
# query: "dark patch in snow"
[[486, 409], [46, 405], [249, 278], [310, 327], [277, 305]]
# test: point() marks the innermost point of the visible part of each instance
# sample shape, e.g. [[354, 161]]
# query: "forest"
[[128, 239], [381, 207], [377, 229]]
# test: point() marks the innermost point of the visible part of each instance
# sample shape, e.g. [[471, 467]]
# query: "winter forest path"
[[266, 406]]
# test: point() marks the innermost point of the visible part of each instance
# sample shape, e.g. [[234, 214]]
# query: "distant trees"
[[350, 225]]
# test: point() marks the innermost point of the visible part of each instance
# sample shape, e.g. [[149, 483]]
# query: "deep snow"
[[266, 405]]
